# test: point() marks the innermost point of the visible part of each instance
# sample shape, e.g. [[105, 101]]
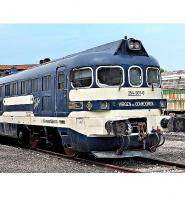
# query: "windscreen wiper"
[[121, 80]]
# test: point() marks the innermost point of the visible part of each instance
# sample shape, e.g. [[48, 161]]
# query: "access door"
[[61, 92]]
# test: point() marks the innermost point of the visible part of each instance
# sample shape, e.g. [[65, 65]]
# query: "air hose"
[[160, 138]]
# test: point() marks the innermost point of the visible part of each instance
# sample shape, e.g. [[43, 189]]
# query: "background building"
[[9, 69]]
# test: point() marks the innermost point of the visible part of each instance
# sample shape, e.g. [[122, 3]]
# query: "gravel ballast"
[[17, 160], [173, 149]]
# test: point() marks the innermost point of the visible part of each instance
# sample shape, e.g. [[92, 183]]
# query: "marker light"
[[163, 103]]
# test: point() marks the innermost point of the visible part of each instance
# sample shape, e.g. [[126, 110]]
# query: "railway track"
[[119, 166], [90, 162], [149, 165]]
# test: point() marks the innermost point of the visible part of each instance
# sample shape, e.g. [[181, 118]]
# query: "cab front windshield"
[[153, 77], [109, 76], [135, 76]]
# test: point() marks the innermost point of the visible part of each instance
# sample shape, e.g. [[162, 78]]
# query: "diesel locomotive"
[[105, 101]]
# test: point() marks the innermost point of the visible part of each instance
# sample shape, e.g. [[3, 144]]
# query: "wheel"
[[33, 140], [69, 152], [22, 138]]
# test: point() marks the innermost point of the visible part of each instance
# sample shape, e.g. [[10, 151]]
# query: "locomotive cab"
[[118, 97]]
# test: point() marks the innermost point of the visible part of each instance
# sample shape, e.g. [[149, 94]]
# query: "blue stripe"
[[24, 107], [131, 104]]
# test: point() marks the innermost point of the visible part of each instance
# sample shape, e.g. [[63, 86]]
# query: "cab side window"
[[7, 90], [61, 80], [1, 91], [34, 85], [14, 89], [24, 87], [82, 77]]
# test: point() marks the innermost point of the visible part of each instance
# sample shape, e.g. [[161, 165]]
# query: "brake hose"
[[154, 147]]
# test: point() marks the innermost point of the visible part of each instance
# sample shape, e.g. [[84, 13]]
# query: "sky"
[[28, 43]]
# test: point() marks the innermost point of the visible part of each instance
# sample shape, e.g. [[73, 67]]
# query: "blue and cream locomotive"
[[105, 101]]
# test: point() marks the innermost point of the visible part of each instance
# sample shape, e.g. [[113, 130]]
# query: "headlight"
[[131, 45], [134, 44]]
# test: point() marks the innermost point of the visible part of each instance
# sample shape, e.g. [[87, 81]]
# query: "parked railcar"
[[105, 101], [173, 89]]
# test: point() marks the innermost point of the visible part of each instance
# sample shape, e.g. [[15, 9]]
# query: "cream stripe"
[[20, 100], [114, 93], [88, 123]]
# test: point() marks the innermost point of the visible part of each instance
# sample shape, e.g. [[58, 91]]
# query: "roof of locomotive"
[[108, 54]]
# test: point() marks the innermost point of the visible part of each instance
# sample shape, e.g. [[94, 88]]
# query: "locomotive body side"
[[89, 102]]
